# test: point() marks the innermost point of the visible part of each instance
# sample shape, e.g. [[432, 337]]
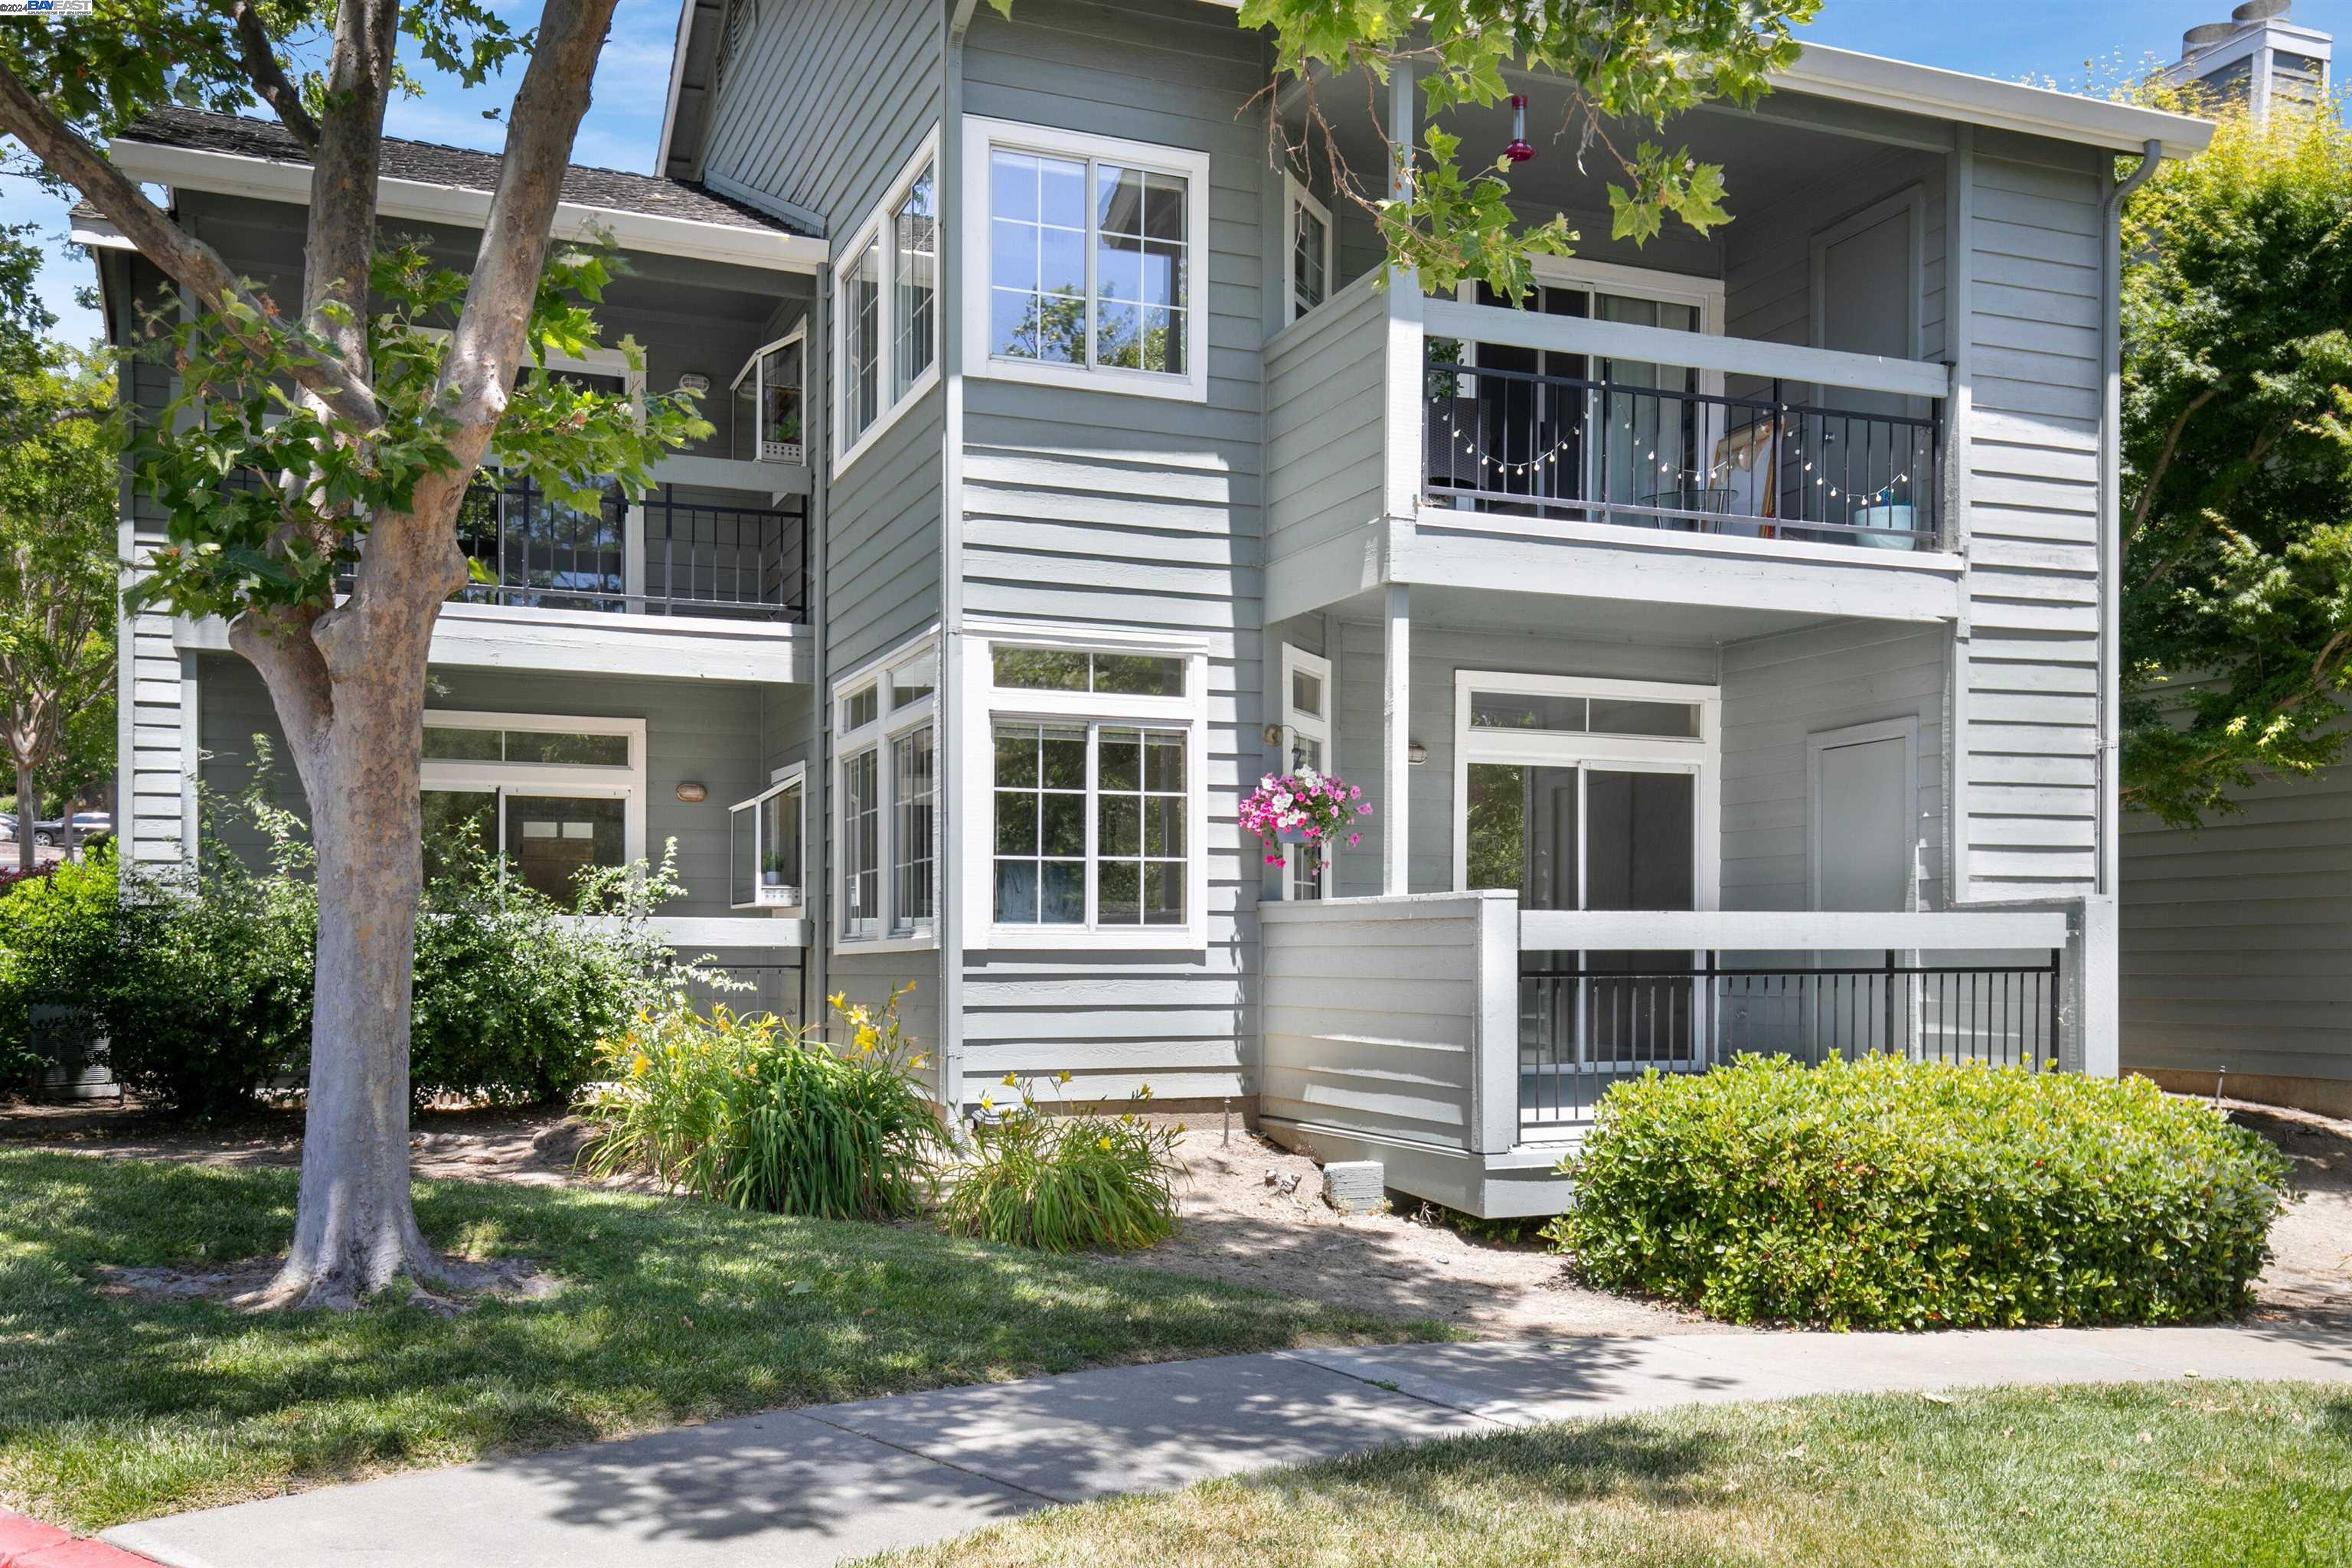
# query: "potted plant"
[[1306, 809]]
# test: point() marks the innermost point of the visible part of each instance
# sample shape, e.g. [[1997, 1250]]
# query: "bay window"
[[765, 836], [549, 797], [1095, 809], [885, 311], [886, 798], [1092, 257], [768, 393]]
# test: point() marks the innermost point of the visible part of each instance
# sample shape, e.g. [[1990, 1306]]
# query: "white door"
[[1863, 829], [1862, 826]]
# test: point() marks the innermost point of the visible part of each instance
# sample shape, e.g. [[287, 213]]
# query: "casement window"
[[1306, 282], [550, 795], [1306, 699], [886, 308], [1091, 830], [769, 394], [766, 841], [886, 801], [1091, 260]]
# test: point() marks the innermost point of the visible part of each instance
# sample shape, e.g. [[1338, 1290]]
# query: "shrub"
[[203, 976], [756, 1114], [1883, 1194], [1067, 1183], [57, 931]]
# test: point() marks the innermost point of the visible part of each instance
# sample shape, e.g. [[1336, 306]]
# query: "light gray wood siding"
[[2031, 701], [1327, 386], [2237, 938], [1780, 690], [1373, 1017], [1092, 509]]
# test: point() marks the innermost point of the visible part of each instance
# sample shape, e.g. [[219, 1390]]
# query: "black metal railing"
[[1658, 455], [1588, 1020], [700, 558]]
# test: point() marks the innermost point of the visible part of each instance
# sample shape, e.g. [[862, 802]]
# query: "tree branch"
[[2164, 461], [187, 260], [280, 644], [270, 78]]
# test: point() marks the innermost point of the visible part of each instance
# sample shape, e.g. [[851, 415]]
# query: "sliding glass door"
[[1582, 796]]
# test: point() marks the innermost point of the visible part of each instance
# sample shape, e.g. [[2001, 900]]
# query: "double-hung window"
[[1307, 278], [1092, 260], [886, 308], [1306, 743], [1096, 806], [551, 797], [885, 800]]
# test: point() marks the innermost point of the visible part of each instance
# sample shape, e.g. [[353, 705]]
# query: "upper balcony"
[[1759, 417]]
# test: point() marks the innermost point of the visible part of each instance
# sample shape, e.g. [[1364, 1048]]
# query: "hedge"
[[202, 981], [1884, 1193]]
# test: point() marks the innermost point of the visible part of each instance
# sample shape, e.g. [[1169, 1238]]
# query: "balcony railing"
[[1651, 456], [688, 558]]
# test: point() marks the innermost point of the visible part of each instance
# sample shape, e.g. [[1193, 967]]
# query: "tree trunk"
[[28, 807], [355, 1230]]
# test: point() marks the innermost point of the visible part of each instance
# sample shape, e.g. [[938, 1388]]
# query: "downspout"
[[816, 791], [2111, 557], [953, 715]]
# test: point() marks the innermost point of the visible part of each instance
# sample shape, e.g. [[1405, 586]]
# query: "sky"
[[2009, 38]]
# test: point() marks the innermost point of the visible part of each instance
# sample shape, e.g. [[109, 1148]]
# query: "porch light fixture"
[[693, 381], [692, 793], [1519, 152], [1416, 754]]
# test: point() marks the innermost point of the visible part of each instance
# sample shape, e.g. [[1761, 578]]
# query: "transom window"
[[885, 312], [1095, 260], [886, 797], [1095, 809], [551, 797]]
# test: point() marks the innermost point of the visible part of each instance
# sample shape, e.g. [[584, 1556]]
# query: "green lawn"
[[2182, 1476], [113, 1409]]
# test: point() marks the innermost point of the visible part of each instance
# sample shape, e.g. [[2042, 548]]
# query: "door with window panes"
[[1307, 698], [1590, 800]]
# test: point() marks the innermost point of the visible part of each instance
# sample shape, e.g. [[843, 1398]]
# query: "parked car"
[[86, 825]]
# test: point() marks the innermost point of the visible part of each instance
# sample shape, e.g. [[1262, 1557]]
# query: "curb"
[[29, 1543]]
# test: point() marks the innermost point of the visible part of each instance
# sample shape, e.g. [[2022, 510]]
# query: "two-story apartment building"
[[1722, 640]]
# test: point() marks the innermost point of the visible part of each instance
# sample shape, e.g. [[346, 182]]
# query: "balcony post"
[[633, 558], [1396, 739]]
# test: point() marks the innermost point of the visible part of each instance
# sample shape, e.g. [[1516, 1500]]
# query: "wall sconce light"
[[1272, 734], [693, 794], [694, 381], [1416, 754]]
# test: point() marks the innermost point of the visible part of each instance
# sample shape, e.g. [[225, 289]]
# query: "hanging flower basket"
[[1305, 810]]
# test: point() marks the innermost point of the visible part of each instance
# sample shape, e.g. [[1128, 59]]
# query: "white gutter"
[[2111, 550], [266, 179], [1855, 78]]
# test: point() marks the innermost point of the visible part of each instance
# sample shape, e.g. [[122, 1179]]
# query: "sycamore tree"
[[319, 440], [59, 479], [2237, 493], [1626, 69]]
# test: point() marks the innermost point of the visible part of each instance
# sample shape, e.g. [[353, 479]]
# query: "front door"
[[1582, 796], [1864, 834]]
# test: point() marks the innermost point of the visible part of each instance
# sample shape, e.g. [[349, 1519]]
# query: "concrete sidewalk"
[[836, 1482]]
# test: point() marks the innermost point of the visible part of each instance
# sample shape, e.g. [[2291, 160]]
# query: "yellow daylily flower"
[[1012, 1081]]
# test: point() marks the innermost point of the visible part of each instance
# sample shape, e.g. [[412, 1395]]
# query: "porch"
[[1463, 1041]]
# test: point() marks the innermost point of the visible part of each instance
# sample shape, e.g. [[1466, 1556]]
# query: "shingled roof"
[[432, 163]]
